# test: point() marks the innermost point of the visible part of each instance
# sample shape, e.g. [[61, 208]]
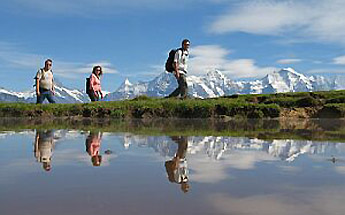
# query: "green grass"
[[330, 104]]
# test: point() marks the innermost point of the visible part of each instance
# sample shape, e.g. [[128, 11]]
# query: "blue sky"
[[131, 39]]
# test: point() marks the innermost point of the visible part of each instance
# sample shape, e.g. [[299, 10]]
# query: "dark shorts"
[[93, 97]]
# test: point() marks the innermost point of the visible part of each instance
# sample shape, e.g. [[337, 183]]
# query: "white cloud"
[[312, 20], [91, 8], [246, 68], [13, 57], [210, 57], [326, 71], [339, 60], [289, 61], [74, 70]]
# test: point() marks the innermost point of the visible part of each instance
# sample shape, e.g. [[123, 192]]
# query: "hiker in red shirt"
[[95, 92], [93, 145]]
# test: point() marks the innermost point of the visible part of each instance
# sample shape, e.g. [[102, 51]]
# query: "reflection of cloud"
[[290, 169], [259, 205], [17, 168], [6, 134], [206, 170], [320, 201], [340, 169], [74, 156]]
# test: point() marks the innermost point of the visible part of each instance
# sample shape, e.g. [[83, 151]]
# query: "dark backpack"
[[169, 64], [88, 85]]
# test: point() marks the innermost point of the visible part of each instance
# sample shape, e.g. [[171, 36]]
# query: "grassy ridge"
[[315, 104]]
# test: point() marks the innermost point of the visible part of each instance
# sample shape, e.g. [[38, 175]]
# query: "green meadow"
[[329, 104]]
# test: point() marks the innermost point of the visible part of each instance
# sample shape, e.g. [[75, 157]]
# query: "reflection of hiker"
[[93, 145], [45, 83], [94, 86], [43, 148], [177, 167], [180, 67]]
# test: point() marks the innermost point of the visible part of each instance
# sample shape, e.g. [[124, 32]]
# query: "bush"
[[308, 102]]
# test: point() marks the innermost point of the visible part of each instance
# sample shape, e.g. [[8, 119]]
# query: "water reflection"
[[43, 148], [177, 168], [93, 145], [229, 175]]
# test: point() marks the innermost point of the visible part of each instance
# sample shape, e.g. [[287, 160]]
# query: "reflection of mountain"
[[216, 147]]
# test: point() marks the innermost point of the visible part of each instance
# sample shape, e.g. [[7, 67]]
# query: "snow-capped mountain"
[[127, 90], [215, 84], [62, 95]]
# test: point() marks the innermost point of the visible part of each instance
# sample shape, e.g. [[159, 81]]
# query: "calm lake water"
[[65, 171]]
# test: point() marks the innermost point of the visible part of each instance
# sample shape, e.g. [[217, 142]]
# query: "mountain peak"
[[127, 83], [291, 71], [215, 74]]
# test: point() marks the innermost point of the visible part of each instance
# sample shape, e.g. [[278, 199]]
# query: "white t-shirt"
[[45, 79], [181, 172], [181, 58], [45, 150]]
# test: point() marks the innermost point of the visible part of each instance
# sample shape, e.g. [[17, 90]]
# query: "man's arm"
[[176, 60], [53, 87], [37, 87], [177, 74], [36, 152]]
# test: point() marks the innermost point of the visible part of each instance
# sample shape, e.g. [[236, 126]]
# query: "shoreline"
[[265, 129]]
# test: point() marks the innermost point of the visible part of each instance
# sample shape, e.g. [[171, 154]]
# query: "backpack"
[[169, 63], [88, 85]]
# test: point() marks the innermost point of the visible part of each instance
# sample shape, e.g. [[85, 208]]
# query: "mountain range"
[[62, 95], [213, 84]]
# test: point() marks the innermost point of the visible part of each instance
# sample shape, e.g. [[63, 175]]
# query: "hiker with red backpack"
[[93, 84], [177, 64]]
